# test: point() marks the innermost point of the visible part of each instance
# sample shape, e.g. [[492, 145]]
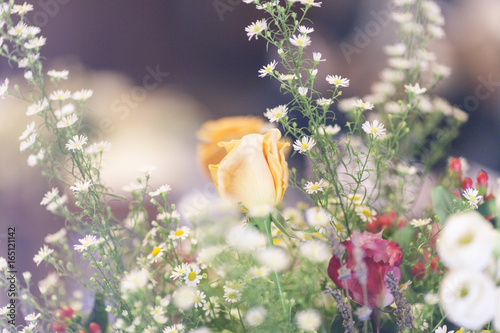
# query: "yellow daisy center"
[[192, 276], [179, 232], [304, 146], [366, 212], [466, 239], [155, 251]]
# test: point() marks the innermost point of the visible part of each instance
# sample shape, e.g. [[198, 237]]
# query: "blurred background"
[[160, 68]]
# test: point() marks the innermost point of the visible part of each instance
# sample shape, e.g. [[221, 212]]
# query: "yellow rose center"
[[466, 239], [179, 233], [155, 251], [192, 276]]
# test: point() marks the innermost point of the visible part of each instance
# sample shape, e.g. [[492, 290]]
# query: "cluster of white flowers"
[[469, 294]]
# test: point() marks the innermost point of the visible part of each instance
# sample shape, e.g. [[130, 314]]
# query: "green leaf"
[[404, 236], [488, 208], [442, 200], [98, 314], [280, 222]]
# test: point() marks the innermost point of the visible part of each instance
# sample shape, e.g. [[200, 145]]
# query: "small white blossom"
[[317, 57], [363, 105], [38, 107], [256, 28], [420, 222], [4, 88], [303, 91], [276, 113], [43, 253], [58, 74], [304, 145], [81, 186], [337, 81], [60, 95], [301, 41], [305, 30], [35, 42], [415, 89], [67, 121], [267, 69], [76, 143], [85, 243], [308, 320], [375, 129], [82, 95], [471, 195], [312, 188]]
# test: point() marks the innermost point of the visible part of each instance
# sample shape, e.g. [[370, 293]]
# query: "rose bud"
[[482, 178], [221, 130], [68, 312], [254, 171], [58, 328], [95, 328], [455, 165], [467, 183]]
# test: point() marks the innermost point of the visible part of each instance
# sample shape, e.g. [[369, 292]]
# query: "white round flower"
[[255, 316], [308, 320], [315, 251], [245, 239], [274, 258], [184, 297], [466, 242], [134, 280], [468, 298]]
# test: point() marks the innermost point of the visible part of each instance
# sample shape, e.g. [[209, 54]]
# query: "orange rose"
[[224, 129], [254, 171]]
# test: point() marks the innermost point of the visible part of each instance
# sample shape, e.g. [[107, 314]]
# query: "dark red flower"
[[380, 257]]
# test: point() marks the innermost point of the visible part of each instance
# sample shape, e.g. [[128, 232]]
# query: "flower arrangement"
[[353, 258]]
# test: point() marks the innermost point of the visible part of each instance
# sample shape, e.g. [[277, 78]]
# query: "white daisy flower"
[[27, 143], [148, 169], [337, 81], [415, 89], [21, 9], [301, 41], [35, 42], [58, 74], [76, 143], [317, 57], [4, 88], [256, 28], [311, 187], [30, 129], [181, 233], [304, 145], [82, 95], [32, 317], [231, 295], [471, 195], [178, 328], [318, 218], [267, 69], [134, 280], [303, 91], [81, 186], [43, 253], [157, 253], [21, 29], [276, 113], [56, 237], [420, 222], [99, 147], [324, 101], [305, 30], [212, 307], [330, 130], [85, 243], [60, 95], [363, 105], [67, 121], [49, 196], [192, 276], [199, 299], [179, 271], [38, 107], [375, 129], [162, 190]]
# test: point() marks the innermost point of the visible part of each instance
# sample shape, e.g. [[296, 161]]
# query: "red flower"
[[482, 178], [467, 183], [380, 257], [455, 165]]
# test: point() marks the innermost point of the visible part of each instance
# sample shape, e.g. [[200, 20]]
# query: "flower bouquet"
[[351, 254]]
